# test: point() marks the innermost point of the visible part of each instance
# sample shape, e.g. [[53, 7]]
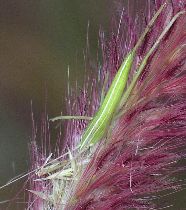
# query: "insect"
[[97, 127]]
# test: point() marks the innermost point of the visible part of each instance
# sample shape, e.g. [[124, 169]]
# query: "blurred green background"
[[38, 40]]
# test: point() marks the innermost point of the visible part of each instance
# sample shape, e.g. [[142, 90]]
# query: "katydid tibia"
[[62, 117]]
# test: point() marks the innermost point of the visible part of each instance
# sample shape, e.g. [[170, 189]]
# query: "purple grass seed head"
[[138, 157]]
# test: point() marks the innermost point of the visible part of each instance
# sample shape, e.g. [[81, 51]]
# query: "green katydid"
[[97, 127], [99, 123]]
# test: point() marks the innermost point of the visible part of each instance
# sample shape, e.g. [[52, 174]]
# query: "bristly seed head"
[[137, 159]]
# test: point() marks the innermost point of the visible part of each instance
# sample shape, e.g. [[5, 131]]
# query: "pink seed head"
[[143, 145]]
